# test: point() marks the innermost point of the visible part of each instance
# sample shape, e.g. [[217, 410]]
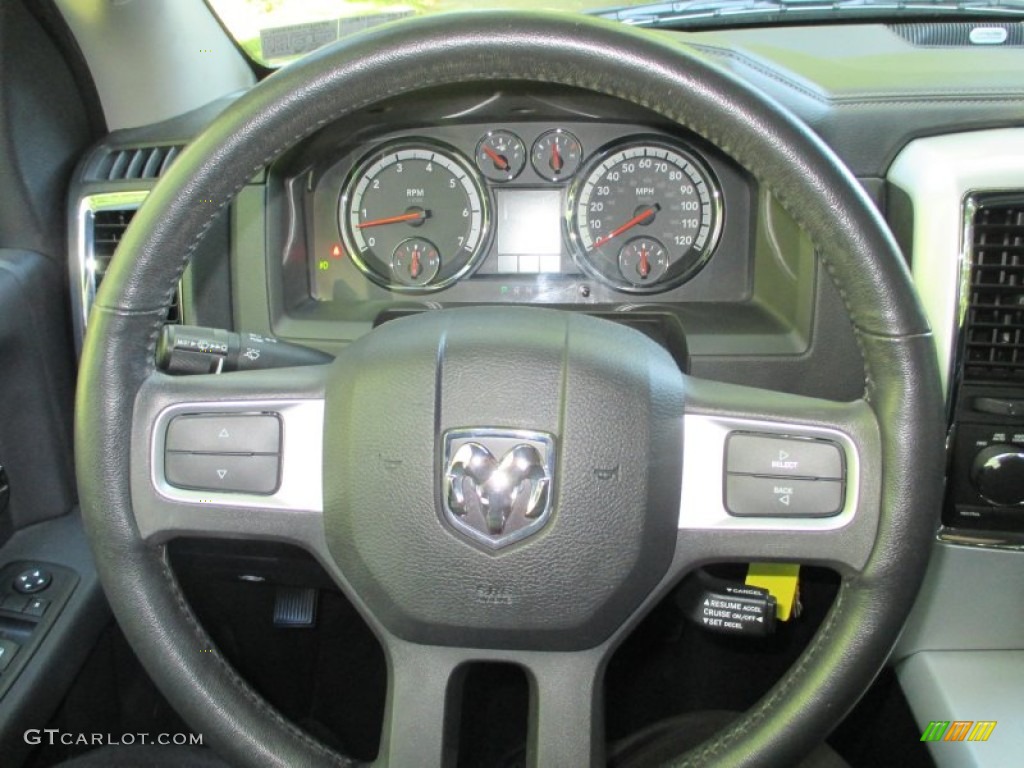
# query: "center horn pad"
[[503, 477]]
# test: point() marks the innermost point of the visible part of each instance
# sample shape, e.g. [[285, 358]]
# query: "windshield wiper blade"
[[698, 13]]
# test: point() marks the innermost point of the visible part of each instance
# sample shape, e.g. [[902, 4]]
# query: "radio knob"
[[998, 474]]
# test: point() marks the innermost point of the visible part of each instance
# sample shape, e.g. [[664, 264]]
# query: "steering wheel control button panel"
[[774, 476], [249, 454], [233, 453], [414, 216], [224, 472], [752, 454], [33, 580], [780, 476]]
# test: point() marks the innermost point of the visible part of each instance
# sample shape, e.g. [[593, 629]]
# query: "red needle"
[[499, 161], [645, 267], [414, 268], [556, 157], [413, 216], [638, 219]]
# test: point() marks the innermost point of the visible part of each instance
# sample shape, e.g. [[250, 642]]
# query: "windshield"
[[274, 32]]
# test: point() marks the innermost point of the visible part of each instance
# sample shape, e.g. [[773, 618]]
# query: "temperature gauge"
[[556, 155], [500, 155], [415, 262]]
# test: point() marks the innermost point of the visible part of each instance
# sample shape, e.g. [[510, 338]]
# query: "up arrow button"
[[225, 433]]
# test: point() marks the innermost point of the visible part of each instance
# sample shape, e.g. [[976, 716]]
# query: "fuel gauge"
[[556, 155], [500, 155]]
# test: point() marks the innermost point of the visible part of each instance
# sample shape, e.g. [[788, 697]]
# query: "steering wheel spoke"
[[769, 476], [424, 709], [566, 711], [421, 718], [236, 455]]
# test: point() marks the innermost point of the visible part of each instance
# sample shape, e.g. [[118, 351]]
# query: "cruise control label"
[[732, 615]]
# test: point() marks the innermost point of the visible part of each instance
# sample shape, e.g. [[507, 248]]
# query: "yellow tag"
[[782, 580]]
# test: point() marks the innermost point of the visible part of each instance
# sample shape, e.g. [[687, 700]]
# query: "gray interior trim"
[[146, 72], [968, 686], [970, 599], [938, 174]]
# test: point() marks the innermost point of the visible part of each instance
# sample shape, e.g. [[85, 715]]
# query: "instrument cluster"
[[417, 213]]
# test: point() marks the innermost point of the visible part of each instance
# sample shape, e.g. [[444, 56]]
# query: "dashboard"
[[539, 195]]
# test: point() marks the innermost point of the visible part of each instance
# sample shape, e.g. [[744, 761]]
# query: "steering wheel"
[[623, 491]]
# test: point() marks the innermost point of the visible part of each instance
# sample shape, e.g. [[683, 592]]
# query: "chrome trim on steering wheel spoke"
[[301, 468], [702, 505]]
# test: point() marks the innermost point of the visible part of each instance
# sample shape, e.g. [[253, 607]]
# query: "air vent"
[[133, 163], [995, 316], [960, 34], [108, 227]]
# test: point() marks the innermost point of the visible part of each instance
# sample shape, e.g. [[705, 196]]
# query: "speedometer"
[[414, 216], [644, 216]]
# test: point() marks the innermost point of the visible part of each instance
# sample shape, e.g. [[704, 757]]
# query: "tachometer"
[[414, 216], [645, 216]]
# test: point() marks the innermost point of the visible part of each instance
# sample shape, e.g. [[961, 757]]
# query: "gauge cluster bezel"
[[313, 180], [712, 216], [477, 240]]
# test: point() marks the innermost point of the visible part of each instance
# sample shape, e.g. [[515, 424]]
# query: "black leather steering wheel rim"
[[901, 380]]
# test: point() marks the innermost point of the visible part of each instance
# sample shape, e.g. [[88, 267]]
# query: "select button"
[[747, 496], [750, 454]]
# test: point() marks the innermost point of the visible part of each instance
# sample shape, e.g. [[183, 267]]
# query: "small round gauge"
[[556, 155], [643, 261], [645, 205], [500, 155], [417, 192], [415, 262]]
